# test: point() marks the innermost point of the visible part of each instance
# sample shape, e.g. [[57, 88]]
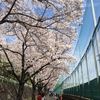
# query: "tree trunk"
[[20, 91], [33, 90], [33, 95], [40, 89]]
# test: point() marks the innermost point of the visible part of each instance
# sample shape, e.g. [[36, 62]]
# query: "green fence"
[[85, 79]]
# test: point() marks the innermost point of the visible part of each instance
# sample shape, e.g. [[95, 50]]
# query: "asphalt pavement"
[[51, 98]]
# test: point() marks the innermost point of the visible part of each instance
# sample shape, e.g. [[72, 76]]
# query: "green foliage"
[[5, 70]]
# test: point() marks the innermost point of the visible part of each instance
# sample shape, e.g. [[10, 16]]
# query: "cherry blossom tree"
[[60, 16], [41, 80], [46, 78], [31, 59], [44, 30]]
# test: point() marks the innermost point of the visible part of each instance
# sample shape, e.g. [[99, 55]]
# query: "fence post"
[[88, 74]]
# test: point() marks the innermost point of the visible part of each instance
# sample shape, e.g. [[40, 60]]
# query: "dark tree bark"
[[33, 89], [20, 91]]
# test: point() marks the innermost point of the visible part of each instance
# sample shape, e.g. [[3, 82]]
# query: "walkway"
[[67, 97], [50, 98]]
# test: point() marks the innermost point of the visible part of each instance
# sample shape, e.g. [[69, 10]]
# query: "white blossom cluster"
[[45, 31]]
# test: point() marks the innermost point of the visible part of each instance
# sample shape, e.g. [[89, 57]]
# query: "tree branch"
[[10, 63], [8, 12]]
